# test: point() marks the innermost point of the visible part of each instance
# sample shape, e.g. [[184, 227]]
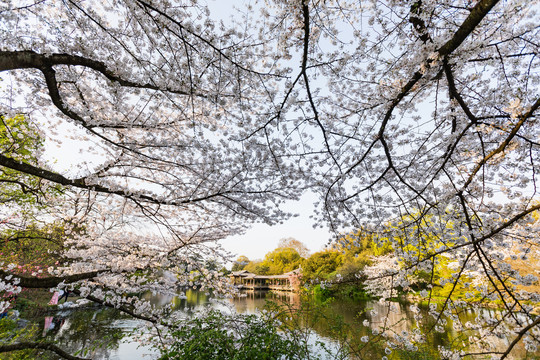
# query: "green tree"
[[34, 248], [20, 141], [31, 244], [357, 242], [278, 261], [357, 248], [282, 260], [240, 263], [322, 264], [240, 337], [258, 267]]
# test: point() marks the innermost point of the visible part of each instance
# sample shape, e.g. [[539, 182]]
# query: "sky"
[[262, 238]]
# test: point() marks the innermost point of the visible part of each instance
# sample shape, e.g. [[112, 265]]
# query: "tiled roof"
[[246, 274]]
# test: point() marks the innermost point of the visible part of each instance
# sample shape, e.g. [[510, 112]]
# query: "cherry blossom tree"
[[430, 112], [297, 245], [165, 99], [389, 109]]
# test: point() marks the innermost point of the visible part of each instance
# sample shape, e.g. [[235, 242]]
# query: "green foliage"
[[18, 139], [361, 241], [352, 266], [282, 260], [322, 264], [418, 236], [10, 333], [350, 292], [34, 248], [357, 248], [238, 337], [25, 241], [240, 263], [21, 142], [276, 262], [257, 267], [320, 294], [348, 257], [6, 327]]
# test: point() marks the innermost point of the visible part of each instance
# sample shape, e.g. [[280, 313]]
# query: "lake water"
[[106, 333]]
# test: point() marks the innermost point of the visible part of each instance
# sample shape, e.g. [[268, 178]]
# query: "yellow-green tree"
[[322, 264], [241, 262], [418, 242], [278, 261], [29, 244], [357, 249], [21, 142]]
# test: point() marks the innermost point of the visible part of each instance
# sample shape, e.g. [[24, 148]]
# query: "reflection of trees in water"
[[253, 300], [398, 316], [189, 301], [92, 330], [249, 302], [101, 330]]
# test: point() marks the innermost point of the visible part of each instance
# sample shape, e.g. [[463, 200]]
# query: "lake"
[[107, 334]]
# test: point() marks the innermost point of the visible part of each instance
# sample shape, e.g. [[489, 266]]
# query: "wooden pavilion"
[[284, 282]]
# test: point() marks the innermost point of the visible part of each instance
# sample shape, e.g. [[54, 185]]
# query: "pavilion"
[[284, 282]]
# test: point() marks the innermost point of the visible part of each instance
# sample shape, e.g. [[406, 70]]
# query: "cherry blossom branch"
[[47, 282], [479, 11], [149, 6], [28, 59], [120, 308], [303, 72], [520, 334], [522, 118], [80, 183]]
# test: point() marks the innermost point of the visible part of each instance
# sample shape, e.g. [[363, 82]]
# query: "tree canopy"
[[240, 263], [391, 111], [321, 264], [297, 245], [276, 262]]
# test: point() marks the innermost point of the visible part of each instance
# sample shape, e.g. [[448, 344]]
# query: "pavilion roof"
[[248, 275]]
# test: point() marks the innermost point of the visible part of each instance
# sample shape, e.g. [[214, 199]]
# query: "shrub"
[[239, 337]]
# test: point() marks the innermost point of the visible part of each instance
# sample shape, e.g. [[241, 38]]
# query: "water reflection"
[[98, 333], [189, 301], [255, 300], [401, 317], [105, 333]]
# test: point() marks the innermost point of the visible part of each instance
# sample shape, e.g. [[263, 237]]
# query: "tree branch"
[[80, 183], [48, 282], [519, 336], [42, 346], [28, 59]]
